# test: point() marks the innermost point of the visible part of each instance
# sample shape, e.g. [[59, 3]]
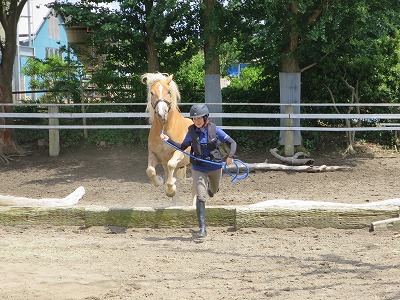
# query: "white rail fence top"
[[216, 115], [211, 103], [373, 119]]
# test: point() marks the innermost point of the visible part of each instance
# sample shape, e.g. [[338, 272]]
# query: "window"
[[53, 51]]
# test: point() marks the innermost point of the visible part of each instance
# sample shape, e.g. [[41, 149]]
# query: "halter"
[[162, 100]]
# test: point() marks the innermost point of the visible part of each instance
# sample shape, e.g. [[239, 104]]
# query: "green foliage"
[[28, 137], [190, 75], [55, 75], [254, 141], [124, 35], [341, 44], [249, 78]]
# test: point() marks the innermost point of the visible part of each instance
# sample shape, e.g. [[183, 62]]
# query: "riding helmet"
[[199, 110]]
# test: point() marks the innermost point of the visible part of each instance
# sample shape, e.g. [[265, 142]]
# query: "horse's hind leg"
[[181, 173], [151, 170]]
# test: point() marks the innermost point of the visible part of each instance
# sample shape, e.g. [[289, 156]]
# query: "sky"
[[38, 12]]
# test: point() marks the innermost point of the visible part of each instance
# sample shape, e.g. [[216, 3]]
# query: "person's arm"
[[232, 144], [224, 138], [183, 146]]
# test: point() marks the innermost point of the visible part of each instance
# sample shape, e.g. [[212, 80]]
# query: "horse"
[[162, 105]]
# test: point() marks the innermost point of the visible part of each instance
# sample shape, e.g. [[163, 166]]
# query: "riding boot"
[[201, 217]]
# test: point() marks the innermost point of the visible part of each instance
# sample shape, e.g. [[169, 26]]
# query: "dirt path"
[[115, 263], [115, 177], [96, 264]]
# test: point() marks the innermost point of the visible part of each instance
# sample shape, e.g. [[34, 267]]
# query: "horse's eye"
[[169, 92], [152, 93]]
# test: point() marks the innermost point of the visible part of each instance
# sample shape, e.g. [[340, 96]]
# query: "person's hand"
[[164, 137], [229, 161]]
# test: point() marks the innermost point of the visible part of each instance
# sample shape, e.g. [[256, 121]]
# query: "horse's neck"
[[157, 125], [175, 119]]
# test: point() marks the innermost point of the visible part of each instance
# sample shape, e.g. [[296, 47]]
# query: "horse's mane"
[[151, 78]]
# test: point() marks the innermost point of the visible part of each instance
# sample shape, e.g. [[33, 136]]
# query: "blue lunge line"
[[235, 176]]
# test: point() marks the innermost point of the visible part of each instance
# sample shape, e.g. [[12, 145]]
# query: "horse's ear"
[[169, 79], [143, 78]]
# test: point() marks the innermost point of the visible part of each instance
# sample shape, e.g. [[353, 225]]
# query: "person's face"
[[198, 122]]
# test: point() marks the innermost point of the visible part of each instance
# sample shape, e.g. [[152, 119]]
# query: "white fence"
[[53, 115]]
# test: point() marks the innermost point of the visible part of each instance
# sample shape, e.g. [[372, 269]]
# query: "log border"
[[185, 217], [388, 224]]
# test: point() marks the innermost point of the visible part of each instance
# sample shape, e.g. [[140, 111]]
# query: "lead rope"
[[235, 176]]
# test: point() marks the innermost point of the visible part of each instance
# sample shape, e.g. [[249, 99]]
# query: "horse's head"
[[162, 96]]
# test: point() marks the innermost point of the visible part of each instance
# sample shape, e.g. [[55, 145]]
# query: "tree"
[[365, 69], [55, 75], [138, 36], [330, 42], [210, 19], [10, 12], [293, 36]]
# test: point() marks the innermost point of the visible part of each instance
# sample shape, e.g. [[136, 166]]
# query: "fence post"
[[289, 134], [54, 135], [213, 95], [289, 89]]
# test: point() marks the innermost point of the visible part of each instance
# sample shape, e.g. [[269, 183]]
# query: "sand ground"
[[46, 262]]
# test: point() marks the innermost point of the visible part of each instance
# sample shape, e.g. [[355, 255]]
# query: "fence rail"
[[209, 103], [251, 128], [376, 121], [217, 115], [382, 126]]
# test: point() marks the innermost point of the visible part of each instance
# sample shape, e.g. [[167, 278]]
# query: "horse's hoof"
[[158, 181], [171, 190]]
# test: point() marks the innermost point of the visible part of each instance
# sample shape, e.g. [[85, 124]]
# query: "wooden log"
[[278, 167], [318, 217], [42, 216], [388, 224], [71, 199], [283, 216], [141, 217], [294, 160]]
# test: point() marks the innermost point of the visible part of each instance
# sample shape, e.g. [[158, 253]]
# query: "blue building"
[[50, 36], [235, 69]]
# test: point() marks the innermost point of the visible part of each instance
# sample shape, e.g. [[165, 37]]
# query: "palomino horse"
[[162, 105]]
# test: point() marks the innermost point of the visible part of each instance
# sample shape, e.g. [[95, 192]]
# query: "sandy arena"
[[46, 262]]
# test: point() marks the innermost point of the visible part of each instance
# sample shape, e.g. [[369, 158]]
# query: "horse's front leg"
[[152, 162], [170, 170]]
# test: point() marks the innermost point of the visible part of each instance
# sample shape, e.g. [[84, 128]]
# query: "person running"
[[203, 137]]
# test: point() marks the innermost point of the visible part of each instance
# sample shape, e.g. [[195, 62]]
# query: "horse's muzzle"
[[162, 109], [162, 117]]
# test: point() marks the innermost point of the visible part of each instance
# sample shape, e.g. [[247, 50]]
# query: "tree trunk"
[[9, 16], [212, 87], [351, 135], [290, 61], [153, 64], [211, 38]]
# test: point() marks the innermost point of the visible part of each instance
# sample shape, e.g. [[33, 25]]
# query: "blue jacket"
[[203, 140]]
